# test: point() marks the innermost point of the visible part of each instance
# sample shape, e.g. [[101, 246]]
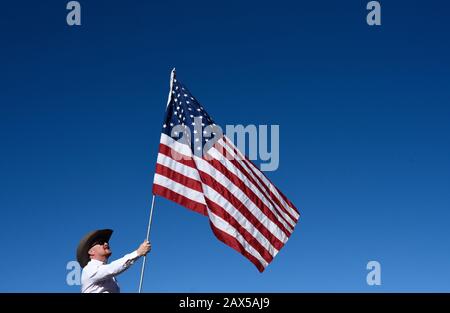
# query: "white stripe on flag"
[[183, 190], [237, 192], [178, 167], [240, 159], [230, 230], [214, 196], [285, 219]]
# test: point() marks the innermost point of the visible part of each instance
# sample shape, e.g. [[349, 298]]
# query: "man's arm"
[[118, 266]]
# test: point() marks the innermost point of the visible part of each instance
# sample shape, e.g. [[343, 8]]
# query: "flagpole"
[[148, 237], [172, 77]]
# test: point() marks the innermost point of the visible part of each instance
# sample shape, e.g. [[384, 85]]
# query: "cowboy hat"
[[87, 242]]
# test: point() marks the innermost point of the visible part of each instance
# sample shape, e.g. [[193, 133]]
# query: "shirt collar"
[[93, 261]]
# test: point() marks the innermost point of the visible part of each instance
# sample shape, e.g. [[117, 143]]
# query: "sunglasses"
[[99, 242]]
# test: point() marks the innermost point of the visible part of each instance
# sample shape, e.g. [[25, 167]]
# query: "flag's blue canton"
[[183, 108]]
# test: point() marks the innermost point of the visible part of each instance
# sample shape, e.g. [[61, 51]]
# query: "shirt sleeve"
[[114, 268]]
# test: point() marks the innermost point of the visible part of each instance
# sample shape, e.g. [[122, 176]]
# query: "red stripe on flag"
[[236, 245], [173, 154], [249, 193], [180, 199], [219, 211], [285, 198], [238, 205], [179, 178], [268, 191], [269, 195]]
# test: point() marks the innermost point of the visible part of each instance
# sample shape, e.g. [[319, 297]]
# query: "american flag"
[[203, 171]]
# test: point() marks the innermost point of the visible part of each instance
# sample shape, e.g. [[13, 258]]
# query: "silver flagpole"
[[172, 77], [148, 237]]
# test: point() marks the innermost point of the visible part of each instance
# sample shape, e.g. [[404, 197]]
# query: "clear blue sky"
[[364, 117]]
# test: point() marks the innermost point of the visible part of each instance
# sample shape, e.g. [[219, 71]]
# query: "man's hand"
[[144, 248]]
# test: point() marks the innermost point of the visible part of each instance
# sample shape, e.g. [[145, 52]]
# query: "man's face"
[[100, 250]]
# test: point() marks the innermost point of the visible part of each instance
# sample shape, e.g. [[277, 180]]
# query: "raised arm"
[[118, 266]]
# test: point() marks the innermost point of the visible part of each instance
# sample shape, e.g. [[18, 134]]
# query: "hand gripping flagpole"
[[172, 77]]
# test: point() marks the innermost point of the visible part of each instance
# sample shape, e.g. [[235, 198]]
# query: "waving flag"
[[200, 169]]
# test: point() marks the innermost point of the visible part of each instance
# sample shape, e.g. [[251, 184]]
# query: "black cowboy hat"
[[101, 235]]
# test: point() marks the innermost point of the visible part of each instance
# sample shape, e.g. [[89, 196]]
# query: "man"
[[93, 252]]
